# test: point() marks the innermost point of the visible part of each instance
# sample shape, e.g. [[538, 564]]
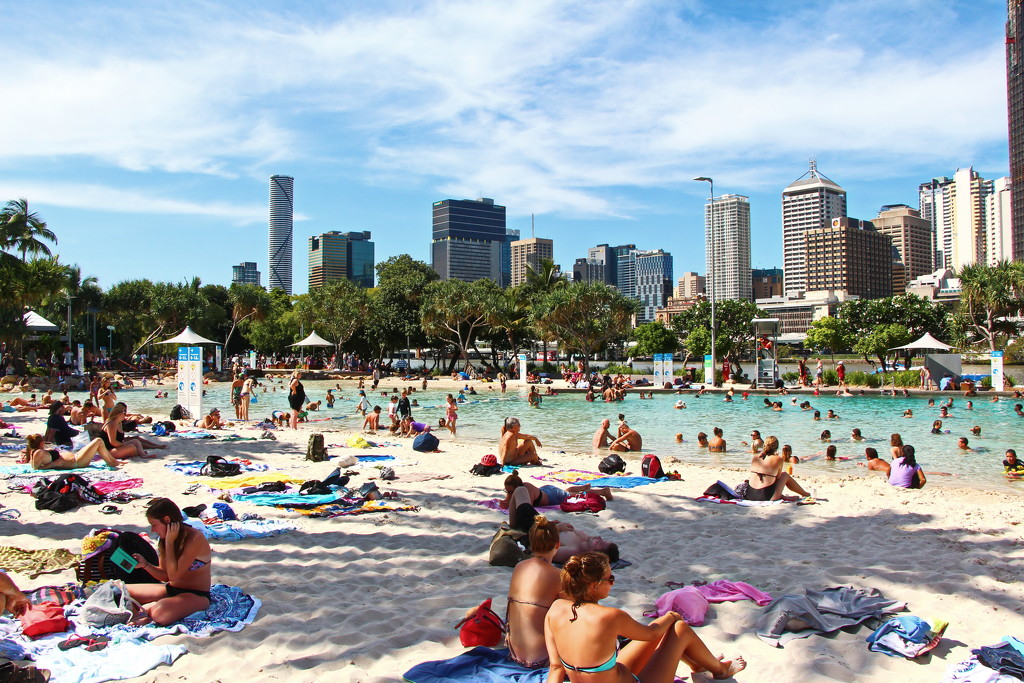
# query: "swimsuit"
[[540, 663], [54, 455], [174, 590], [610, 664]]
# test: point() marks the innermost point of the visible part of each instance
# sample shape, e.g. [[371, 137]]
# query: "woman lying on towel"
[[184, 567], [533, 588], [582, 635], [52, 459], [769, 481], [518, 492]]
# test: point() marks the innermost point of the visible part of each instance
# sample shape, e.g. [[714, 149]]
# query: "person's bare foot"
[[731, 668]]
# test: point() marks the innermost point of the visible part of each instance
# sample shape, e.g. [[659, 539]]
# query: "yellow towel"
[[249, 480]]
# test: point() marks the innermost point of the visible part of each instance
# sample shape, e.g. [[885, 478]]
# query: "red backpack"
[[584, 502], [651, 467]]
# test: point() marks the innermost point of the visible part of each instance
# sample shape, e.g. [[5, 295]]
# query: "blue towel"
[[619, 482], [286, 499], [238, 530], [479, 665], [374, 458]]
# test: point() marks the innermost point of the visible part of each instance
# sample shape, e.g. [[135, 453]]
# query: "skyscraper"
[[811, 201], [729, 276], [911, 237], [469, 240], [245, 273], [282, 209], [647, 277], [691, 285], [850, 255], [956, 208], [1015, 111], [527, 255], [999, 223], [335, 256], [766, 283]]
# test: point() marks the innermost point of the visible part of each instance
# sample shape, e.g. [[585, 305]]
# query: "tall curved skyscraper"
[[282, 189]]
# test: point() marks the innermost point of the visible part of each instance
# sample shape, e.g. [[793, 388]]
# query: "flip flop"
[[10, 513], [110, 510], [91, 642]]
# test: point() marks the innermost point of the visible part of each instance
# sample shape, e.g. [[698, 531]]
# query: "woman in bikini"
[[533, 588], [769, 481], [518, 492], [113, 436], [451, 413], [184, 568], [44, 459], [580, 632], [896, 444]]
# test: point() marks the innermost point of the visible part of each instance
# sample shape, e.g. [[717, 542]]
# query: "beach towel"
[[479, 665], [286, 499], [237, 530], [495, 504], [790, 617], [117, 661], [92, 474], [27, 470], [595, 479], [32, 563], [369, 506], [367, 459], [193, 468], [973, 671], [106, 487], [741, 503], [418, 477], [728, 591], [241, 482]]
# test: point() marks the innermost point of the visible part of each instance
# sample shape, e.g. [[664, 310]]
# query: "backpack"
[[651, 467], [482, 627], [64, 493], [425, 443], [98, 566], [218, 466], [508, 547], [612, 464], [179, 413], [315, 449], [314, 487], [584, 502], [482, 470]]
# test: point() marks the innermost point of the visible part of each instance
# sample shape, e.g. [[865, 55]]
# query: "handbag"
[[482, 627], [218, 466], [43, 618], [109, 604], [508, 548]]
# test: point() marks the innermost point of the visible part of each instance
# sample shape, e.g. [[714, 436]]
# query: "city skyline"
[[128, 137]]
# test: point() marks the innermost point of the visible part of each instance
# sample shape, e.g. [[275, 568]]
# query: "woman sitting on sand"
[[184, 568], [518, 492], [534, 586], [113, 436], [582, 635], [769, 481], [43, 459], [904, 471]]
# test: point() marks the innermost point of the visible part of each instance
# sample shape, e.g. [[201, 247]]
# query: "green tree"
[[916, 313], [883, 338], [584, 317], [277, 329], [248, 302], [24, 231], [830, 333], [335, 310], [654, 337], [509, 315], [990, 296], [734, 331], [396, 302], [455, 312]]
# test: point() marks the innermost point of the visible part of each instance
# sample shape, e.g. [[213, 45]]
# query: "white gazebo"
[[37, 323], [313, 339], [188, 337], [937, 361], [926, 342]]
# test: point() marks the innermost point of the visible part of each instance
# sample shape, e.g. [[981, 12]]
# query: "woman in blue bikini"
[[184, 568], [579, 631]]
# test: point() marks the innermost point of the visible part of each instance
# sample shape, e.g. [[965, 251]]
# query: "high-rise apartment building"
[[647, 277], [810, 202], [912, 238], [527, 255], [470, 240], [335, 256], [245, 273], [956, 208], [766, 283], [849, 255], [727, 247], [282, 210], [1015, 111], [691, 285], [588, 270], [999, 223]]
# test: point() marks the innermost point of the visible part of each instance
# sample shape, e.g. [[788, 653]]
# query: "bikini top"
[[197, 564], [610, 664]]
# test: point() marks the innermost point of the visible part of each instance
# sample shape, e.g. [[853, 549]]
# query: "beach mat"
[[479, 665]]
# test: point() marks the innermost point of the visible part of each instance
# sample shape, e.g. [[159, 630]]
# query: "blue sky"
[[145, 133]]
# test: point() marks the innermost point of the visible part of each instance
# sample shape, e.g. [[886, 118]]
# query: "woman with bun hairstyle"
[[582, 635], [184, 568], [518, 492], [534, 586]]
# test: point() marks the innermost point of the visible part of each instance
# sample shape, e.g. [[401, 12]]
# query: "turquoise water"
[[568, 422]]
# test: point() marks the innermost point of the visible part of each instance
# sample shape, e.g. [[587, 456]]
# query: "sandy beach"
[[364, 598]]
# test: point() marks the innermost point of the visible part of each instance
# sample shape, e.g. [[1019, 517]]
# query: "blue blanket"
[[374, 458], [479, 665], [286, 499], [237, 530], [192, 469], [29, 470], [619, 482]]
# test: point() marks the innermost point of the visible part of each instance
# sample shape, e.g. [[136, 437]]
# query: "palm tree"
[[990, 295], [542, 280], [23, 230]]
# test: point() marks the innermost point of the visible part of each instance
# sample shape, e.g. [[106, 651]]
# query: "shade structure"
[[313, 339], [37, 323], [926, 342], [187, 336]]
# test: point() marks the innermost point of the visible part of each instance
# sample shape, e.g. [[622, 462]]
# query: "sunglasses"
[[610, 579]]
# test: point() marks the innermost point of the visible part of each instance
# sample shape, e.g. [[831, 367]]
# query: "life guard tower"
[[766, 345]]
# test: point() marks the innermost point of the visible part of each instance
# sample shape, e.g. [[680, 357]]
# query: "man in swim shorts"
[[602, 437]]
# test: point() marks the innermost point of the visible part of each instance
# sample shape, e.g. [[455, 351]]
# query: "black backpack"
[[179, 413], [218, 466], [612, 464], [64, 493], [482, 470]]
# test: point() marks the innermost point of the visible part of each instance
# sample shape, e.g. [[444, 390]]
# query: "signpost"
[[998, 379], [522, 368], [709, 370], [190, 379], [81, 359], [220, 359]]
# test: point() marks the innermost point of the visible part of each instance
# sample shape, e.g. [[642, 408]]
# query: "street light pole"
[[711, 274], [70, 346], [110, 341]]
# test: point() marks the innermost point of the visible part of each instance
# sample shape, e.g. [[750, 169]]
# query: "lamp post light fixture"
[[711, 275]]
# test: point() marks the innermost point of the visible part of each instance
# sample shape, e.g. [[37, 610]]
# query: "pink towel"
[[687, 601], [106, 487], [729, 591]]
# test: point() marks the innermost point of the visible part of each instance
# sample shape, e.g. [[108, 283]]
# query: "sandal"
[[110, 510], [10, 513], [191, 489]]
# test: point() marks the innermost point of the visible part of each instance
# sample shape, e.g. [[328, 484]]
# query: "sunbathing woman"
[[518, 492], [533, 588], [581, 635], [113, 436], [43, 459], [769, 481], [138, 419], [184, 567]]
